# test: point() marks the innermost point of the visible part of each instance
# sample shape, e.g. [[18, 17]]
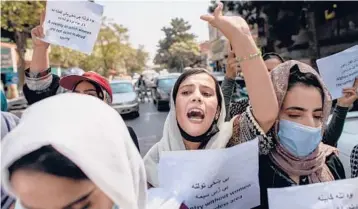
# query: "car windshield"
[[167, 82], [118, 88]]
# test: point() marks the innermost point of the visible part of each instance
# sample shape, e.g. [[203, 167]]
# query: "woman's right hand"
[[230, 26], [37, 33]]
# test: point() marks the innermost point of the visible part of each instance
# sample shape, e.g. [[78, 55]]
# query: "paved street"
[[148, 126]]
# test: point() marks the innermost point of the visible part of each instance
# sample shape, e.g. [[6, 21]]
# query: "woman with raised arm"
[[197, 116], [298, 156]]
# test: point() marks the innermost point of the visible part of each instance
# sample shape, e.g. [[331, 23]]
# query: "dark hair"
[[191, 72], [306, 79], [98, 88], [272, 55], [48, 160]]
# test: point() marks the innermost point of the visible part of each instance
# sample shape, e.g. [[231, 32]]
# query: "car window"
[[121, 88], [166, 83]]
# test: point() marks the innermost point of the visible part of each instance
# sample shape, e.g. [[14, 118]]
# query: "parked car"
[[161, 91], [125, 99], [348, 140]]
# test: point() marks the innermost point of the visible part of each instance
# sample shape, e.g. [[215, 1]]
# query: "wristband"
[[41, 74], [250, 57]]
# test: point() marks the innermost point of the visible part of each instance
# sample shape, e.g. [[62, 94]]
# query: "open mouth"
[[195, 115]]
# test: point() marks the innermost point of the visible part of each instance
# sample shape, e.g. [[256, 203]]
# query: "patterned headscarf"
[[314, 165]]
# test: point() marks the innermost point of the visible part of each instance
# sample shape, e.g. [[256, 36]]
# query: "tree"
[[178, 49], [20, 17], [137, 60]]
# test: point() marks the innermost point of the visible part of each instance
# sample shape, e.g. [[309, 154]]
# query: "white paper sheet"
[[213, 179], [339, 70], [73, 24], [342, 194]]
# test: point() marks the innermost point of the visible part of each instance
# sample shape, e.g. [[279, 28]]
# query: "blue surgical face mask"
[[298, 139], [115, 207]]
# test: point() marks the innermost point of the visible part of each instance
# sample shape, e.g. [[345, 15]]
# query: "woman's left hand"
[[350, 95]]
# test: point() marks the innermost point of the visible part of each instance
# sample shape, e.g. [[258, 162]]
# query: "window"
[[166, 83], [118, 88]]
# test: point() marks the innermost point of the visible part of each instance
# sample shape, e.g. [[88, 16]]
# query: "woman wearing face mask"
[[90, 165], [333, 130], [197, 116], [299, 157]]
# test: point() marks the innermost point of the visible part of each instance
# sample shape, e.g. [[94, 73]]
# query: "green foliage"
[[178, 49], [20, 16]]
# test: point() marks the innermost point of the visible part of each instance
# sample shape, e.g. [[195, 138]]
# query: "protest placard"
[[213, 179], [339, 71], [73, 24], [341, 194]]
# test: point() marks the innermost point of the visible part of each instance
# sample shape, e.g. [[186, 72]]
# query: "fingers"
[[217, 13], [348, 89], [231, 60], [349, 92], [42, 18], [207, 18], [218, 10], [37, 32], [356, 83]]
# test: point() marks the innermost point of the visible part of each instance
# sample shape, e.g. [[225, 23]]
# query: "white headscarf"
[[92, 135], [172, 140]]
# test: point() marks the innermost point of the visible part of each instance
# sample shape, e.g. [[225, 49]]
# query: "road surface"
[[148, 126]]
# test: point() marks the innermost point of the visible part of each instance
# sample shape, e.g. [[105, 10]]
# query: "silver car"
[[125, 99]]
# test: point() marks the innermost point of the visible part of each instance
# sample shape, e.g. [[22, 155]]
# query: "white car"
[[125, 98], [348, 140]]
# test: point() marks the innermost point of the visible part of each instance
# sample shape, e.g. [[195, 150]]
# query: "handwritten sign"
[[73, 24], [342, 194], [213, 179], [339, 70]]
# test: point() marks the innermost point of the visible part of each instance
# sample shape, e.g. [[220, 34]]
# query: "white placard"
[[341, 194], [339, 70], [213, 179], [73, 24]]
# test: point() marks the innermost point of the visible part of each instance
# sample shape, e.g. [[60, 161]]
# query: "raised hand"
[[230, 26], [38, 32], [350, 95], [232, 65]]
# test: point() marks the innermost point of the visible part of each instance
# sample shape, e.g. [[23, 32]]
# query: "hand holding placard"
[[339, 70], [37, 34], [74, 25]]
